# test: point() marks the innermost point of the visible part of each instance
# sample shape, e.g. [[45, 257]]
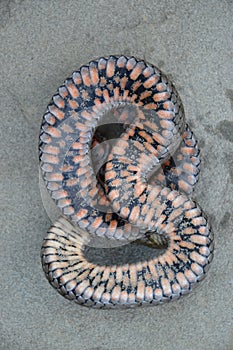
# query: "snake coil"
[[140, 189]]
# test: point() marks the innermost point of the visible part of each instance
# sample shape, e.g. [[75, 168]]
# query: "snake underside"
[[120, 162]]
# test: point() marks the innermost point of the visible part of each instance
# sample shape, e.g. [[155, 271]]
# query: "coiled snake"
[[144, 178]]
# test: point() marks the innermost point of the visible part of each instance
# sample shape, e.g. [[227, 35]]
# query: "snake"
[[132, 185]]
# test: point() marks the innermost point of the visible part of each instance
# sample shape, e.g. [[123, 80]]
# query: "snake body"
[[142, 187]]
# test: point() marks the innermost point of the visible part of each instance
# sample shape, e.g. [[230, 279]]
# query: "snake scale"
[[140, 189]]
